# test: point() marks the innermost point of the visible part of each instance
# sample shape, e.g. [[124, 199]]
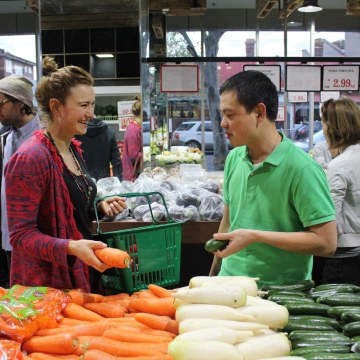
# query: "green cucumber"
[[301, 286], [355, 338], [320, 349], [281, 299], [315, 342], [340, 299], [346, 287], [315, 319], [293, 293], [352, 329], [331, 356], [213, 245], [349, 316], [336, 311], [320, 337], [316, 294], [313, 333], [308, 325], [307, 308]]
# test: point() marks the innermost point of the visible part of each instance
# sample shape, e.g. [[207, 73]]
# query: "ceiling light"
[[104, 56], [310, 6]]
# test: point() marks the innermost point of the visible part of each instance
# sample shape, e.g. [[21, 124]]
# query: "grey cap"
[[18, 87]]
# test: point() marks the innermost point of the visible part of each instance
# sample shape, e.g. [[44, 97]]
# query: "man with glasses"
[[19, 121]]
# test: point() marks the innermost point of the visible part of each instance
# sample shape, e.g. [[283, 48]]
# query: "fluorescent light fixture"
[[310, 6], [102, 56]]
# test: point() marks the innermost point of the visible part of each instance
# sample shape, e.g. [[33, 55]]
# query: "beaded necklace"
[[88, 188]]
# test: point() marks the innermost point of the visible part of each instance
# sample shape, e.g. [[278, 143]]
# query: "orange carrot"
[[95, 328], [119, 334], [158, 322], [113, 257], [159, 291], [75, 311], [146, 294], [120, 348], [106, 310], [160, 306], [71, 322], [79, 297], [53, 344], [121, 296], [145, 330], [98, 354], [44, 356]]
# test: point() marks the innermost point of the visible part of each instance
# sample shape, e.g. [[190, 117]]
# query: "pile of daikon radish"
[[223, 318]]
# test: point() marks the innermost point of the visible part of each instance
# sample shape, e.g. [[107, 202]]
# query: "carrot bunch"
[[112, 327]]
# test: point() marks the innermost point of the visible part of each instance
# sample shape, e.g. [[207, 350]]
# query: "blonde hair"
[[56, 83], [136, 107], [342, 122]]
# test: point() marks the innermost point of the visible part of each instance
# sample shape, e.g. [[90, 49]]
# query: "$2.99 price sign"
[[341, 77]]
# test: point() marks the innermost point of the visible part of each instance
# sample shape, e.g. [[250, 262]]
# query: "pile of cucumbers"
[[324, 321]]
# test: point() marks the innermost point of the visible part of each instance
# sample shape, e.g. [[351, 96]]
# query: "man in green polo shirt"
[[278, 210]]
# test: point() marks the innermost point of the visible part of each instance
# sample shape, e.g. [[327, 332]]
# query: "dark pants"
[[4, 269], [343, 270]]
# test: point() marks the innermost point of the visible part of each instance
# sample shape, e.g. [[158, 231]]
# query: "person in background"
[[49, 194], [278, 210], [341, 123], [100, 150], [322, 154], [19, 121], [133, 144]]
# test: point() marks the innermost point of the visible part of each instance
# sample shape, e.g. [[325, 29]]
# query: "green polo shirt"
[[288, 192]]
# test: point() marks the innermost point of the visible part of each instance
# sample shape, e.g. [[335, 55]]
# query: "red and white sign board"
[[125, 115], [341, 77], [281, 114], [297, 96]]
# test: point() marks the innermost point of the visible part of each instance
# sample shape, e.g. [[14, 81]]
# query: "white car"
[[189, 134], [304, 145]]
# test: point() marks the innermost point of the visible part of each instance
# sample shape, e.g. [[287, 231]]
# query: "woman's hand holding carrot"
[[84, 250]]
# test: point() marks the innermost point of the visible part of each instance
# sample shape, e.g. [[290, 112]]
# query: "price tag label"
[[297, 97], [341, 77]]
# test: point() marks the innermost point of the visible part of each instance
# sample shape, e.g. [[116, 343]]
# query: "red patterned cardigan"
[[41, 220]]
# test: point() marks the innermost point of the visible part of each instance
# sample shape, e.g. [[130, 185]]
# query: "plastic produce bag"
[[10, 350], [211, 207], [24, 310], [142, 212], [183, 214]]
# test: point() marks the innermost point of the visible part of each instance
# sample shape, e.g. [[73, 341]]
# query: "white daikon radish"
[[197, 324], [276, 317], [222, 334], [197, 281], [256, 300], [248, 284], [264, 332], [233, 296], [258, 347], [202, 350], [209, 311]]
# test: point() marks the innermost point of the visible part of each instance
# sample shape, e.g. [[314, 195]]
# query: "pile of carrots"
[[113, 327]]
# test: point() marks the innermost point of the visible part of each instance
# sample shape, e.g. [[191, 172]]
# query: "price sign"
[[125, 114], [297, 97], [281, 113], [303, 78], [271, 71], [341, 77]]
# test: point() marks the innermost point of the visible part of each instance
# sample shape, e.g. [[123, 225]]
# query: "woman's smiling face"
[[77, 110]]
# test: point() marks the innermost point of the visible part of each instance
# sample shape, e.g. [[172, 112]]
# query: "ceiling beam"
[[353, 7], [263, 8], [292, 5]]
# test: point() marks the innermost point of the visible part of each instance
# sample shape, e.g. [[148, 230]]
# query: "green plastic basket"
[[154, 250]]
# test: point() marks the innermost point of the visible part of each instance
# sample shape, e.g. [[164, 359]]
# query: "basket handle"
[[145, 194]]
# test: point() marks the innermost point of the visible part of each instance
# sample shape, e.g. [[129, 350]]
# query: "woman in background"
[[133, 144], [341, 123], [49, 193]]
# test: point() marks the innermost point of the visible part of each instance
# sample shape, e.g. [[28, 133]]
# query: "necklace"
[[88, 188]]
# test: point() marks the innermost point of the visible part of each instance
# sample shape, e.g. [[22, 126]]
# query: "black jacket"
[[100, 150]]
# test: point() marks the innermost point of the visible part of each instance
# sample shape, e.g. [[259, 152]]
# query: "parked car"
[[304, 144], [303, 131], [146, 133], [189, 134]]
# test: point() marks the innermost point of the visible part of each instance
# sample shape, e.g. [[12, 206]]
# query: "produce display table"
[[195, 260]]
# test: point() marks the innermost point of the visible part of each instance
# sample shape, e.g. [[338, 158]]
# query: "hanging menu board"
[[271, 71], [340, 77], [303, 78], [179, 78]]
